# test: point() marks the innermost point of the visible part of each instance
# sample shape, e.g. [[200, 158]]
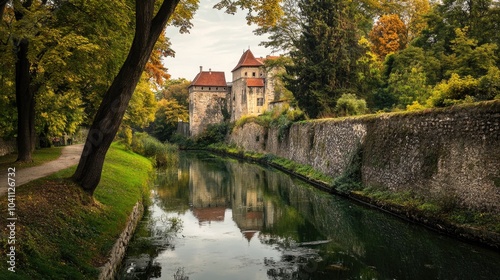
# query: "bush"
[[163, 153], [214, 133], [454, 91], [349, 105]]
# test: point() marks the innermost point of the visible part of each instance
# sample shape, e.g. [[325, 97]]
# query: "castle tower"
[[208, 94], [248, 87]]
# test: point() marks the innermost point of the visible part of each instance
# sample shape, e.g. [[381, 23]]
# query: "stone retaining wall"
[[449, 155], [109, 270]]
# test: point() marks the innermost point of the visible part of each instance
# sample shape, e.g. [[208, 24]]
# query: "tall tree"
[[25, 90], [54, 46], [324, 63], [148, 27], [286, 31], [388, 35]]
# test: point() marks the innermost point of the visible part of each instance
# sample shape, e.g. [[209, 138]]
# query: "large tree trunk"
[[110, 113], [25, 100]]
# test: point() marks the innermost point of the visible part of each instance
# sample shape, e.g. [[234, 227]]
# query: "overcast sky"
[[217, 41]]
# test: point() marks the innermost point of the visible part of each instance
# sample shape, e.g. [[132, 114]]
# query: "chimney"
[[210, 71], [201, 69]]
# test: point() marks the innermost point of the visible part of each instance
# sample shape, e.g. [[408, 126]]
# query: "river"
[[220, 218]]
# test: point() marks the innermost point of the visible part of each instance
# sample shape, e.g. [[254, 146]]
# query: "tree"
[[413, 16], [468, 58], [54, 44], [286, 32], [388, 35], [324, 63], [177, 89], [167, 116], [149, 24]]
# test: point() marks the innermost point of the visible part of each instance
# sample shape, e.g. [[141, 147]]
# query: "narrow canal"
[[219, 218]]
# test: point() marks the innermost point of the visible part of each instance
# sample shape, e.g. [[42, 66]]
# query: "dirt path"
[[70, 156]]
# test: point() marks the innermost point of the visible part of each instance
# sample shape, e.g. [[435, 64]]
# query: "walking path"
[[70, 155]]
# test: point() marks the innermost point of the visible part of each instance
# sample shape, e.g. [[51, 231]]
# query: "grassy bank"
[[62, 233]]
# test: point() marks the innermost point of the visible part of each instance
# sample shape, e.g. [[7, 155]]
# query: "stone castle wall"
[[206, 108], [451, 154]]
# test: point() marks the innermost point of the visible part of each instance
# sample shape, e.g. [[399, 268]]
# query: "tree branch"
[[160, 20]]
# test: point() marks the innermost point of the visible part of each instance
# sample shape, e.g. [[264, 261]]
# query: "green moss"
[[496, 181]]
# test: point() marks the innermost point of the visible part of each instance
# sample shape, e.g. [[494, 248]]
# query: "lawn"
[[61, 232]]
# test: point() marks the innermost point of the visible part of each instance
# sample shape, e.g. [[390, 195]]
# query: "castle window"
[[253, 74], [260, 101], [209, 88], [201, 88], [246, 74]]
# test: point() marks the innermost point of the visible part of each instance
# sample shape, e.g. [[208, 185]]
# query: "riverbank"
[[61, 232], [467, 225]]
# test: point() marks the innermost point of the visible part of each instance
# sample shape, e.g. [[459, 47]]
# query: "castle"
[[212, 100]]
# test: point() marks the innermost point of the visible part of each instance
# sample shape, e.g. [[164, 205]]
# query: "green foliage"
[[350, 180], [142, 106], [409, 86], [489, 85], [58, 114], [182, 141], [349, 105], [456, 90], [324, 62], [173, 105], [163, 154], [469, 58], [284, 118], [214, 133]]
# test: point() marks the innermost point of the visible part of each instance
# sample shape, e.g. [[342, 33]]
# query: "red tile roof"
[[247, 59], [209, 78], [255, 82]]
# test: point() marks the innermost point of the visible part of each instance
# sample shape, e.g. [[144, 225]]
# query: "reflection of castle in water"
[[212, 191]]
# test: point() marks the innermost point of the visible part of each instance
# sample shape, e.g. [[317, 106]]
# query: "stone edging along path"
[[70, 155]]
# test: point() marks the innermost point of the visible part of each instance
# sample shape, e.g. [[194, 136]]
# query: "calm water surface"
[[218, 218]]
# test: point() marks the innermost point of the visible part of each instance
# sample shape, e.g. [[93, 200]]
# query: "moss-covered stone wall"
[[451, 155]]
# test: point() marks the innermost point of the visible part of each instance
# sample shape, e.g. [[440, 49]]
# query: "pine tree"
[[324, 63]]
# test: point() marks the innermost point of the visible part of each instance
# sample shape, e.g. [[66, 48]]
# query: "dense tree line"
[[403, 55]]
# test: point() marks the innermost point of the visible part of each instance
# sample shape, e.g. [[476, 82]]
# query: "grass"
[[436, 208], [40, 156], [61, 232], [292, 166]]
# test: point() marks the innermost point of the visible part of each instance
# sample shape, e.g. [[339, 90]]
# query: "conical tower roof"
[[248, 60]]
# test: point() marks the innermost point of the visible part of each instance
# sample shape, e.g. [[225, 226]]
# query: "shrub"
[[214, 133], [348, 105], [163, 153], [454, 91]]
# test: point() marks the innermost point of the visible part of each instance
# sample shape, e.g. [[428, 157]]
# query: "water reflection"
[[242, 221]]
